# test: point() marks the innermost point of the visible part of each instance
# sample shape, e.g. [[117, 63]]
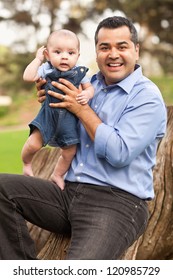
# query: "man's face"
[[116, 54]]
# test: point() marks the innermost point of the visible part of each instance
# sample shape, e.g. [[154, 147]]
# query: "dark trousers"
[[103, 221]]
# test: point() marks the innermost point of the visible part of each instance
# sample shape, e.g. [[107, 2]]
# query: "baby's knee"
[[33, 145]]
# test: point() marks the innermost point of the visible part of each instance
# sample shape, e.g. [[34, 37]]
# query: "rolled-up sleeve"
[[139, 125]]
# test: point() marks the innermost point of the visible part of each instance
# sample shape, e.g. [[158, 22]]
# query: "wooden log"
[[39, 236]]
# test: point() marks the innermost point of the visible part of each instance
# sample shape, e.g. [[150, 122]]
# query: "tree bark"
[[157, 241]]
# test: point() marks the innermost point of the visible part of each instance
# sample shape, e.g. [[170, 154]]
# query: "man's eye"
[[122, 48], [104, 48]]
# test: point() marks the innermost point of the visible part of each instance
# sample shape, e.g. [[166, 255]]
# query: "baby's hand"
[[40, 53], [82, 98]]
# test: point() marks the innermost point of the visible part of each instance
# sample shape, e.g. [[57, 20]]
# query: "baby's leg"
[[63, 165], [33, 144]]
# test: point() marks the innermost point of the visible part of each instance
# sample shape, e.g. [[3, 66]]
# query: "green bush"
[[165, 85], [3, 110]]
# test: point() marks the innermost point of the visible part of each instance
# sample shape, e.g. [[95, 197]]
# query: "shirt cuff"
[[102, 135]]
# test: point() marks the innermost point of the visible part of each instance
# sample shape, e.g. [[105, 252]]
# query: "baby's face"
[[63, 52]]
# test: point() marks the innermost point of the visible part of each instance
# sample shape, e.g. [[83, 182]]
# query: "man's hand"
[[68, 99], [86, 115], [40, 92]]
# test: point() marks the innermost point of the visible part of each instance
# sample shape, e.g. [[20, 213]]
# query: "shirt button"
[[95, 106], [105, 90], [81, 164], [87, 145], [78, 178]]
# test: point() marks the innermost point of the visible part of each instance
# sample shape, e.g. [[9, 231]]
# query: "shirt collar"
[[126, 84]]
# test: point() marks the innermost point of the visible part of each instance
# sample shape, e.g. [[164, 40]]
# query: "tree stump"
[[157, 241]]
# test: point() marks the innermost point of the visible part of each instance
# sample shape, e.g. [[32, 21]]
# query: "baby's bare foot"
[[27, 170]]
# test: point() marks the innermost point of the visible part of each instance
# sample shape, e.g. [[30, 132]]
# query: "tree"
[[38, 14], [156, 15]]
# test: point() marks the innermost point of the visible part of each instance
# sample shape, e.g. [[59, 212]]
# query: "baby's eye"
[[71, 53]]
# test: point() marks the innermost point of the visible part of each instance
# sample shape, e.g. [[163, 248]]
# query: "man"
[[104, 203]]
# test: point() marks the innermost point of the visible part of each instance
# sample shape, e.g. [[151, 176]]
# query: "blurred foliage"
[[165, 85], [3, 110], [156, 15], [12, 66]]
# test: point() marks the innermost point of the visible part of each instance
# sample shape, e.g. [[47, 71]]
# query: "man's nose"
[[113, 53]]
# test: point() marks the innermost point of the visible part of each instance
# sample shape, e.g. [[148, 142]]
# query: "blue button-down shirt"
[[123, 153]]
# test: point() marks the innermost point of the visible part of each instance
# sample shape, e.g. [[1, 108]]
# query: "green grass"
[[11, 143]]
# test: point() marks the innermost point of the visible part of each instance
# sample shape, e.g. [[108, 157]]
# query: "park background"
[[26, 24]]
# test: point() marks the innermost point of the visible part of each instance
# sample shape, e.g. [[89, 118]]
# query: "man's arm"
[[136, 130]]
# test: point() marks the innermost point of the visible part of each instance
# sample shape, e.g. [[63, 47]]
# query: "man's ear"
[[137, 52]]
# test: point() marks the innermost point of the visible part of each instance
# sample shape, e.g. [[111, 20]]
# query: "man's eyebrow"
[[122, 43], [104, 44], [118, 43]]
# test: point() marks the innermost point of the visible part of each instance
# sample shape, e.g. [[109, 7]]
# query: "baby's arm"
[[31, 72], [86, 94]]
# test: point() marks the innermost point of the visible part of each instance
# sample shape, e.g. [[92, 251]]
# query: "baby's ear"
[[46, 54]]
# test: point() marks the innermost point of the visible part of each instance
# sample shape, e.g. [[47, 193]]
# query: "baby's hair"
[[65, 32]]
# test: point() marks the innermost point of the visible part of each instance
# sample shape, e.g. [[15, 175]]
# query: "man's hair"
[[116, 22]]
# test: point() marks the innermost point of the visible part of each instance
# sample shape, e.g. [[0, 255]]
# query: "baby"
[[54, 126]]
